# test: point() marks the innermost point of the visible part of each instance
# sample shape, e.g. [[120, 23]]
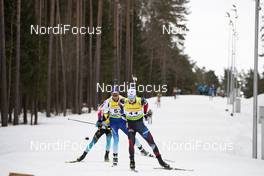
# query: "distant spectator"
[[218, 91], [158, 99], [212, 91], [178, 91], [174, 92]]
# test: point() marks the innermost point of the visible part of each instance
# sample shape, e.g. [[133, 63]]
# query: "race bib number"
[[115, 111]]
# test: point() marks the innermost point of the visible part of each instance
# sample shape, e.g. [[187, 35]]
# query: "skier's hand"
[[123, 116], [108, 129], [148, 115], [99, 124]]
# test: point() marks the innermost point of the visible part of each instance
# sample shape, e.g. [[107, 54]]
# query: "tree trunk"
[[120, 42], [69, 61], [39, 17], [128, 42], [31, 111], [89, 97], [46, 14], [151, 65], [132, 37], [81, 59], [17, 80], [118, 36], [163, 66], [116, 40], [24, 104], [52, 2], [35, 111], [57, 92], [98, 49], [4, 108], [64, 101], [77, 106], [10, 103]]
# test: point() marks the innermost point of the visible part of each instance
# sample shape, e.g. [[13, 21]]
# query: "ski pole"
[[82, 121]]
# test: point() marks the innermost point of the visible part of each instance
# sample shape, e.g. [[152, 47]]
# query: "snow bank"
[[193, 131]]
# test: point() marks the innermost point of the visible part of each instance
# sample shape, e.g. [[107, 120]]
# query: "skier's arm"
[[105, 109], [121, 105], [144, 103], [100, 119], [147, 112]]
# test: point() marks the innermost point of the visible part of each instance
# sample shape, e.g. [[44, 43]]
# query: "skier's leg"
[[108, 144], [123, 127], [96, 136], [131, 139], [114, 123], [145, 133], [116, 139], [108, 140]]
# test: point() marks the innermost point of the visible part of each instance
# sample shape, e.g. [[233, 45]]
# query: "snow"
[[195, 132]]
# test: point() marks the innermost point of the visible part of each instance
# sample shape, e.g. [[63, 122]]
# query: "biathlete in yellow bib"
[[111, 110], [134, 109]]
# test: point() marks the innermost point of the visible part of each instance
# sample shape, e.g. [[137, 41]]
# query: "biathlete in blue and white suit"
[[111, 110], [103, 128]]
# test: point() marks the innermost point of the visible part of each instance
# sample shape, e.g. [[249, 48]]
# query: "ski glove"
[[148, 114], [99, 124]]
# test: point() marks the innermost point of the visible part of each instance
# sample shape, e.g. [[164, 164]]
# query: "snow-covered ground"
[[193, 131]]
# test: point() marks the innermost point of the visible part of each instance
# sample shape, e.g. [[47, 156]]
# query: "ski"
[[152, 156], [73, 161], [174, 168], [168, 160]]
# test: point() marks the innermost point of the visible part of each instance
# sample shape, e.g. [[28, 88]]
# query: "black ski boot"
[[82, 156], [132, 164], [106, 157], [162, 163], [115, 159]]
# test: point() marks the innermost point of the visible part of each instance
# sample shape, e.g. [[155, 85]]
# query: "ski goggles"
[[131, 98]]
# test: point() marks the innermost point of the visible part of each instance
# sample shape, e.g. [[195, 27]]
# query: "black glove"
[[108, 130], [99, 124], [148, 114]]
